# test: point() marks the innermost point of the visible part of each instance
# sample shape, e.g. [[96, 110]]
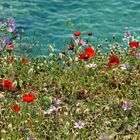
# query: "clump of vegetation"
[[81, 93]]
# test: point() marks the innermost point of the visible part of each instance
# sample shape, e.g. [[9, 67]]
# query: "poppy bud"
[[106, 40], [113, 36], [71, 47], [90, 34]]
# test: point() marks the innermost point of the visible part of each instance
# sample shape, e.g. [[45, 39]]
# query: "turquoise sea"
[[54, 21]]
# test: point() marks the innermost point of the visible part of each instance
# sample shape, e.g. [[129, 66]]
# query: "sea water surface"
[[54, 21]]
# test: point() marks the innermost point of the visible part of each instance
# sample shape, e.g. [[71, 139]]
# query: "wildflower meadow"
[[81, 93]]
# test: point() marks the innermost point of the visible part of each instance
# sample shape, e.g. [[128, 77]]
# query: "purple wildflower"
[[57, 101], [79, 125], [51, 110], [137, 55], [124, 66], [11, 21], [6, 41], [126, 106], [127, 35], [22, 129]]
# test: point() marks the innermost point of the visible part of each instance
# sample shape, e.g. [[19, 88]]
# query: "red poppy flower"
[[77, 34], [134, 44], [84, 56], [90, 52], [7, 84], [28, 98], [16, 108], [10, 47], [113, 60], [25, 61]]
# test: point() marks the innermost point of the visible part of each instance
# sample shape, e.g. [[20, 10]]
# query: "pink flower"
[[127, 35], [83, 43], [126, 106], [137, 55], [10, 29], [79, 125], [80, 42], [50, 110], [57, 101], [11, 21]]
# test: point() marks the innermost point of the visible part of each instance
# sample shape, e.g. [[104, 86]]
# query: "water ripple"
[[46, 19]]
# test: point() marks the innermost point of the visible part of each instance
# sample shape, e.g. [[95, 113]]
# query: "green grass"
[[93, 95]]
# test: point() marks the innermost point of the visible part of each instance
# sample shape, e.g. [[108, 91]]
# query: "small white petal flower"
[[92, 65]]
